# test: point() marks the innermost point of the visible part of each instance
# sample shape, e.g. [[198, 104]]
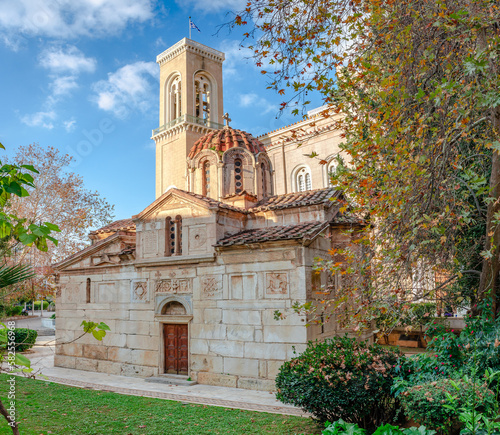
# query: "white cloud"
[[63, 85], [70, 125], [40, 119], [131, 87], [255, 101], [66, 60], [71, 18], [212, 5]]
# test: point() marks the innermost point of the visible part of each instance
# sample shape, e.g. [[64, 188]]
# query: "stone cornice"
[[183, 259], [179, 128], [186, 44]]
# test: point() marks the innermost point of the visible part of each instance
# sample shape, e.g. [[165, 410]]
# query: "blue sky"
[[76, 72]]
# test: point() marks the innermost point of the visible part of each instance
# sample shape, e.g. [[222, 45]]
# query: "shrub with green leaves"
[[25, 338], [453, 354], [38, 304], [437, 404], [341, 378], [340, 427]]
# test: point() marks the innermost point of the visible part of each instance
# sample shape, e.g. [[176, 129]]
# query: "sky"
[[81, 76]]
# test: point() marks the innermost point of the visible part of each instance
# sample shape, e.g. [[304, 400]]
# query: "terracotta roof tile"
[[287, 232], [226, 138], [297, 199], [113, 227]]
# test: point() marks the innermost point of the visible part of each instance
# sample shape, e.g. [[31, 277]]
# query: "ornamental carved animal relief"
[[276, 284]]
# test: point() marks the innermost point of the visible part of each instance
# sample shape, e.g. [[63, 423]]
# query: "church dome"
[[225, 139]]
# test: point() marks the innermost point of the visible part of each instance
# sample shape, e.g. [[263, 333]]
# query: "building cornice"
[[179, 128], [186, 44]]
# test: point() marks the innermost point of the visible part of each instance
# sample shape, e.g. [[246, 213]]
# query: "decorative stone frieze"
[[173, 286]]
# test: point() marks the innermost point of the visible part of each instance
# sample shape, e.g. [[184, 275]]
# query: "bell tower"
[[191, 105]]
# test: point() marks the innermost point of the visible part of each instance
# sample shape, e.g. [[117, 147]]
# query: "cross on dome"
[[227, 119]]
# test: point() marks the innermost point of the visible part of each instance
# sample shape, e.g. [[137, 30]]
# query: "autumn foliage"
[[416, 84]]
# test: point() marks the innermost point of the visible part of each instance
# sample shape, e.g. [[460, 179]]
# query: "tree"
[[15, 180], [416, 82], [59, 196]]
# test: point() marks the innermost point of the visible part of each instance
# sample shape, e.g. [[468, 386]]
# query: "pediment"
[[176, 202], [116, 249]]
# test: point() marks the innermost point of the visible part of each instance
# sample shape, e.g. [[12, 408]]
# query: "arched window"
[[238, 176], [205, 176], [202, 97], [87, 291], [175, 108], [173, 236], [264, 179], [308, 181], [302, 179], [330, 171]]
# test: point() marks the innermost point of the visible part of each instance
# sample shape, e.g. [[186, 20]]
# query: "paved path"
[[42, 358]]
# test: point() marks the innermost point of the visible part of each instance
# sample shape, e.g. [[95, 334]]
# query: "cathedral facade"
[[190, 285]]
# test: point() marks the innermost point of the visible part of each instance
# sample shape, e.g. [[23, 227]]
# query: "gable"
[[172, 203], [115, 250]]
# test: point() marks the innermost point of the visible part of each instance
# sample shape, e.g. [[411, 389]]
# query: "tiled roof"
[[287, 232], [226, 138], [344, 218], [214, 203], [297, 199], [113, 227]]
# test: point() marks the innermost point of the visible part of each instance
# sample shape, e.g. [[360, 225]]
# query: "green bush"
[[38, 305], [10, 310], [341, 378], [16, 311], [430, 403], [25, 338], [340, 427]]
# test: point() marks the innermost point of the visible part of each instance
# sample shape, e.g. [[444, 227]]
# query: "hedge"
[[25, 338]]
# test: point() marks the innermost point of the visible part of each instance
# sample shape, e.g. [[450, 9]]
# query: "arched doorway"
[[174, 323]]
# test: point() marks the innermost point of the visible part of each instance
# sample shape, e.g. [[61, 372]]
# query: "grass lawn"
[[48, 408]]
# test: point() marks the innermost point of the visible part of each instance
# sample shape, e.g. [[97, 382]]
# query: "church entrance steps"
[[171, 379]]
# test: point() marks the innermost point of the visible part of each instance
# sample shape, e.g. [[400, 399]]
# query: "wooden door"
[[176, 348]]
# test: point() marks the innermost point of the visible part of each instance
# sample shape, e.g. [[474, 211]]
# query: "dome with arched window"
[[229, 162]]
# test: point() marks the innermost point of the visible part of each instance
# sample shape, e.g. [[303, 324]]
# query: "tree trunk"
[[3, 411], [491, 266]]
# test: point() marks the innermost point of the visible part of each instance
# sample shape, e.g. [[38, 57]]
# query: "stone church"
[[190, 285]]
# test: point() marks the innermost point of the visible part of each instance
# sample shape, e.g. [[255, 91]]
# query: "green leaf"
[[99, 335], [52, 227], [103, 326]]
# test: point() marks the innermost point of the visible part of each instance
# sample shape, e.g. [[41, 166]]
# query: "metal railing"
[[187, 118]]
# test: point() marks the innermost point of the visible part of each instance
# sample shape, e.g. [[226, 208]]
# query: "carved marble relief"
[[276, 283], [149, 239], [211, 286], [173, 286], [140, 291], [197, 238]]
